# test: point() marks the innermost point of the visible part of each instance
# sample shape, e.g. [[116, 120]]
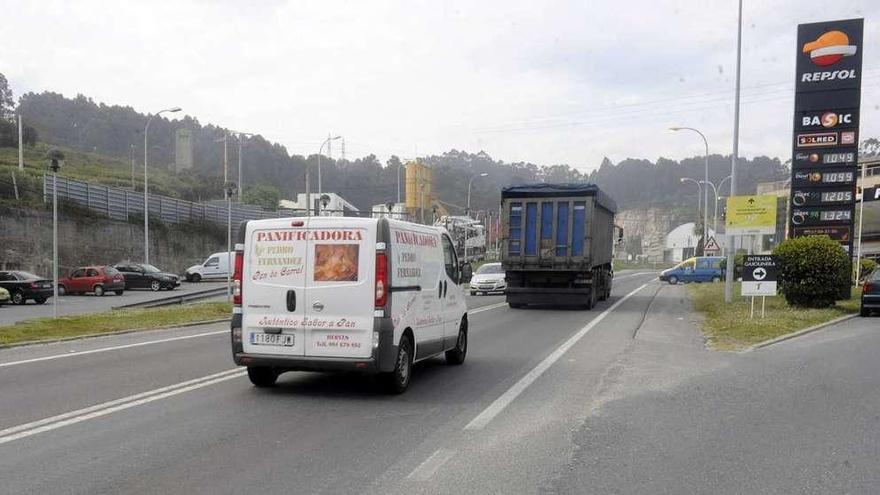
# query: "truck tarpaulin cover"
[[548, 190]]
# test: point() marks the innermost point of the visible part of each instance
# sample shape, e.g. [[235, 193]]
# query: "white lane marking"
[[427, 469], [487, 308], [113, 348], [483, 419], [96, 411]]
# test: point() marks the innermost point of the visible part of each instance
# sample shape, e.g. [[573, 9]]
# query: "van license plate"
[[281, 339]]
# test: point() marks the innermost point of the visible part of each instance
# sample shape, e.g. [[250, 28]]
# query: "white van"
[[215, 267], [343, 293]]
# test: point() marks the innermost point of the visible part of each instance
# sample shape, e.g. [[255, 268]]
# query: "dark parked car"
[[24, 285], [871, 293], [97, 279], [144, 276]]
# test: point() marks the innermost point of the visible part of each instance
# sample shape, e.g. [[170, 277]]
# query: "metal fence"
[[121, 204]]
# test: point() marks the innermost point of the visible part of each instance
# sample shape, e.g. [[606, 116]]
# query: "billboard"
[[825, 137], [750, 215]]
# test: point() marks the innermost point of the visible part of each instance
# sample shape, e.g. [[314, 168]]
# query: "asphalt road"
[[621, 399], [88, 303]]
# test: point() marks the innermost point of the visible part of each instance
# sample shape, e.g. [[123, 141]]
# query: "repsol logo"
[[829, 75]]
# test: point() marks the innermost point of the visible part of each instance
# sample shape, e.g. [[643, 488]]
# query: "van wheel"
[[673, 280], [715, 280], [397, 381], [39, 299], [457, 354], [195, 278], [61, 290], [262, 376], [99, 290]]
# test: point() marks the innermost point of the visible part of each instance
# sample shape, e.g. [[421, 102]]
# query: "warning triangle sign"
[[712, 246]]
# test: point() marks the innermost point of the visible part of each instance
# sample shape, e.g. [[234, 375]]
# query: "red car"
[[97, 279]]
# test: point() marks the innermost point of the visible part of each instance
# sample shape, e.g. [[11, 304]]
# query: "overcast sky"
[[546, 82]]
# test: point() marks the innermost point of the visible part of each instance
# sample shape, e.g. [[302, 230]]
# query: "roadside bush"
[[812, 270]]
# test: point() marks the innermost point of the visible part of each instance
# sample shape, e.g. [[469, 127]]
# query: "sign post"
[[759, 278]]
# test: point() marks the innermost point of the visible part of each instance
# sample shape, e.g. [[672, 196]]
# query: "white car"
[[341, 293], [215, 267], [487, 279]]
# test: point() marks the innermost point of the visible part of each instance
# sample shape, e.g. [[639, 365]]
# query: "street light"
[[146, 194], [241, 136], [321, 150], [56, 160], [706, 191], [468, 208], [715, 209], [229, 188], [699, 191]]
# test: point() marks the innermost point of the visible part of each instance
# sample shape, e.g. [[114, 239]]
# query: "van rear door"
[[274, 287], [339, 303]]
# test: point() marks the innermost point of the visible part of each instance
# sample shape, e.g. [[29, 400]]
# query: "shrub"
[[812, 271]]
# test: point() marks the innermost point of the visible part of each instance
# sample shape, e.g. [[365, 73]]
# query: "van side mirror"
[[466, 272]]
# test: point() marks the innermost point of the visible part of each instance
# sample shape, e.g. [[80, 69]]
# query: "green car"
[[4, 296]]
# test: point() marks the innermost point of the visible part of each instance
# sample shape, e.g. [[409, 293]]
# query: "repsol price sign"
[[825, 136]]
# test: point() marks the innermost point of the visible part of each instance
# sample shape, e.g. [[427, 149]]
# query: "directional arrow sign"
[[759, 273]]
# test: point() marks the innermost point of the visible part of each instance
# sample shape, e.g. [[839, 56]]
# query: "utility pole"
[[20, 145], [131, 157], [225, 160], [731, 249]]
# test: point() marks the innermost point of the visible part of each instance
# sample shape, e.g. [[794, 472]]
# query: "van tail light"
[[381, 280], [237, 275]]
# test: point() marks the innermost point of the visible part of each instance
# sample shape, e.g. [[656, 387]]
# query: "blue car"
[[699, 269]]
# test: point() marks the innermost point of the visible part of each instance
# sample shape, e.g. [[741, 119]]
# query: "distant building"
[[398, 211], [183, 149], [681, 242], [336, 205]]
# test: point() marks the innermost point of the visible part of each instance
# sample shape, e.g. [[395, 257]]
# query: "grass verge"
[[728, 327], [112, 321]]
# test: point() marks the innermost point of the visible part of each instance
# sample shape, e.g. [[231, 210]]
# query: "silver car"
[[487, 279]]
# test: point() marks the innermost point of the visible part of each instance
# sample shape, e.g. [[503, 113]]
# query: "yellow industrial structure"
[[418, 189]]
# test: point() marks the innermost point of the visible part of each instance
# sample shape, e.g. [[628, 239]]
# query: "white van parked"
[[215, 267], [343, 293]]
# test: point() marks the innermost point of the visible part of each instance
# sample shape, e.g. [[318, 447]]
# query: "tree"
[[264, 195], [7, 104]]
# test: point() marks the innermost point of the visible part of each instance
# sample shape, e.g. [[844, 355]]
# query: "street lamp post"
[[229, 188], [241, 136], [320, 150], [56, 160], [468, 208], [706, 179], [728, 278], [146, 184], [699, 197], [715, 209]]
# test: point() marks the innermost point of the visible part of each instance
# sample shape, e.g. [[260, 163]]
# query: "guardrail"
[[120, 204], [176, 299]]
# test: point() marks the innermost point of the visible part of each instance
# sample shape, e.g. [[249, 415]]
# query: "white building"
[[336, 205], [681, 242], [398, 211]]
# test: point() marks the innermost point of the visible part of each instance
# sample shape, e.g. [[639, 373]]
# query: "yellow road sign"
[[747, 215]]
